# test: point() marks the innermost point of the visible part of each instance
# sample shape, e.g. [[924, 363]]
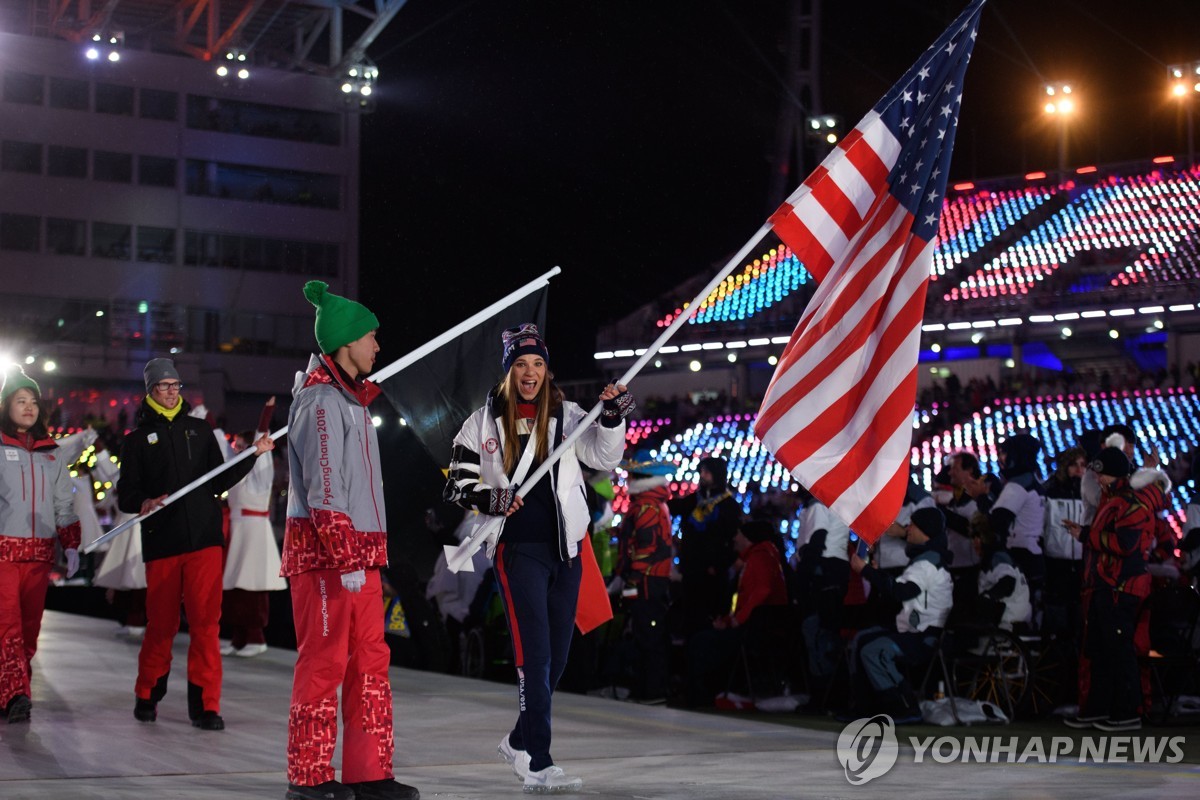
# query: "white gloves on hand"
[[72, 561], [616, 585], [354, 581]]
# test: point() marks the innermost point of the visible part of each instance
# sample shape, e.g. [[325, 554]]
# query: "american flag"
[[838, 412]]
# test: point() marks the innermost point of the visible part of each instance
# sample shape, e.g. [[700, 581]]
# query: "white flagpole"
[[459, 558], [379, 377]]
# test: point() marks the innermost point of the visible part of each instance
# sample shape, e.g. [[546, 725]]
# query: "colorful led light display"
[[759, 285]]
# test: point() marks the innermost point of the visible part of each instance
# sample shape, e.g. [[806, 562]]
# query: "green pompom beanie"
[[15, 379], [340, 321]]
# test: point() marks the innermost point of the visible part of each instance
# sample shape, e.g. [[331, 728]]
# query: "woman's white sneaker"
[[517, 759], [551, 780], [251, 650]]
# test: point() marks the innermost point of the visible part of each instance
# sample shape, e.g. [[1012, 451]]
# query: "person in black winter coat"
[[181, 544], [709, 518]]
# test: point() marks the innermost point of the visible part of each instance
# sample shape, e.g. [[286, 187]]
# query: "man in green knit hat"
[[335, 543]]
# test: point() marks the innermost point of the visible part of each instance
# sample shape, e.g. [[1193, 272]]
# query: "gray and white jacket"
[[36, 502], [335, 518]]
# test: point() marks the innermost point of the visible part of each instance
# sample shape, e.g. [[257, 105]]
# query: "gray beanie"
[[159, 369]]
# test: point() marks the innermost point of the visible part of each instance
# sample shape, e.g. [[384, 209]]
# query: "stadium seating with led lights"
[[1166, 421]]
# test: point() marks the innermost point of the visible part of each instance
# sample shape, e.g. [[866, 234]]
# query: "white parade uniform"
[[122, 568], [253, 562]]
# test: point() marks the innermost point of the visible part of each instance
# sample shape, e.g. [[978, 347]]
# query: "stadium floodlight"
[[1060, 103], [358, 84], [826, 128], [236, 62], [105, 46], [1184, 80]]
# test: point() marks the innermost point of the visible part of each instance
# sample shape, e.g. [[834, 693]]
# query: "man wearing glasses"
[[181, 544]]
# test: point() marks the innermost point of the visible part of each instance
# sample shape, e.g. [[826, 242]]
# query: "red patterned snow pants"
[[339, 642]]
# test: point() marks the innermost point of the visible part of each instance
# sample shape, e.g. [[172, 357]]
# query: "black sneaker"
[[19, 709], [1109, 725], [386, 789], [329, 790], [209, 721], [145, 710], [1081, 722]]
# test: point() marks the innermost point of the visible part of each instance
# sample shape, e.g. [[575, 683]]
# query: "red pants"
[[339, 642], [22, 599], [193, 579]]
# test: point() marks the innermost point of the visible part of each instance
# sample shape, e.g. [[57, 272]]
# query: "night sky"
[[632, 142]]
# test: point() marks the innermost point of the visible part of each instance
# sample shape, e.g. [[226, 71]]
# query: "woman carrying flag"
[[537, 552]]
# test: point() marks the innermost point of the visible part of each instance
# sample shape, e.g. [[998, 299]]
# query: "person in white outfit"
[[252, 563], [70, 449], [455, 591], [121, 571]]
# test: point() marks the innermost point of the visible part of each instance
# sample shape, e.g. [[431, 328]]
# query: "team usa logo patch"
[[491, 446]]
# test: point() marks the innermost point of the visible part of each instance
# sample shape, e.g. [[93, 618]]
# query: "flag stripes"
[[838, 409]]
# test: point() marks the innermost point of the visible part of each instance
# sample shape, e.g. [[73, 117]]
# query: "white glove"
[[72, 561], [198, 411], [616, 585], [354, 581]]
